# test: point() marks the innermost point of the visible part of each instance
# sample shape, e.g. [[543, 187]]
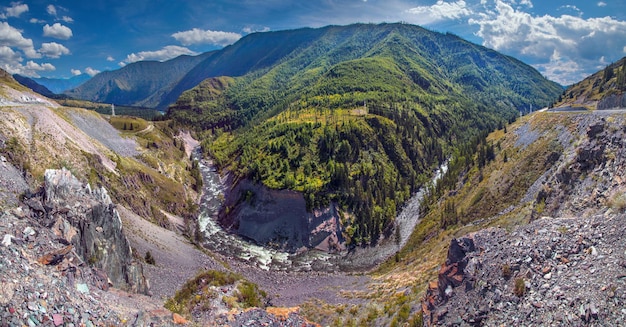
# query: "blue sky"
[[564, 40]]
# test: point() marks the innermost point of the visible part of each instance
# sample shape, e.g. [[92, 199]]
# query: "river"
[[231, 245]]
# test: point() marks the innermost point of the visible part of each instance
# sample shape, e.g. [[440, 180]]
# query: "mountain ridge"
[[252, 53], [136, 84], [378, 103]]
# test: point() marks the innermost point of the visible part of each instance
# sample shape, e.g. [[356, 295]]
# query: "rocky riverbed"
[[215, 191]]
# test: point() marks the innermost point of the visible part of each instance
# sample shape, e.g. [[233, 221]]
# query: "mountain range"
[[356, 116], [140, 84], [159, 84], [51, 87]]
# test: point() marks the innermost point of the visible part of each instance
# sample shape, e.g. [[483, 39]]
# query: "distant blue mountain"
[[58, 85]]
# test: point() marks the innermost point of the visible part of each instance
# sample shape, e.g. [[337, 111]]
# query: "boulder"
[[88, 220]]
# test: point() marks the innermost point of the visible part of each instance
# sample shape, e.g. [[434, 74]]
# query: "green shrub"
[[250, 295]]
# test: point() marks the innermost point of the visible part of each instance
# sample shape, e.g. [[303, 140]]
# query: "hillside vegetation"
[[142, 164], [608, 83], [359, 114]]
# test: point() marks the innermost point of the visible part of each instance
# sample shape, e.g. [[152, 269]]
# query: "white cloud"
[[198, 36], [601, 4], [15, 10], [91, 72], [57, 31], [53, 50], [52, 10], [565, 39], [527, 3], [168, 52], [37, 21], [440, 11], [572, 8], [110, 58], [75, 72], [31, 68], [39, 67], [563, 70], [67, 19], [254, 29], [7, 55], [12, 37]]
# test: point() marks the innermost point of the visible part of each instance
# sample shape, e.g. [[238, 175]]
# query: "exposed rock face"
[[612, 101], [279, 218], [593, 171], [87, 219]]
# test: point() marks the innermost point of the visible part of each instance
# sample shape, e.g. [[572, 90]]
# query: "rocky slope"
[[568, 265], [554, 271], [65, 260]]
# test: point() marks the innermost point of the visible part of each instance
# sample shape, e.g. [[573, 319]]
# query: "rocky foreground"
[[65, 261], [553, 272]]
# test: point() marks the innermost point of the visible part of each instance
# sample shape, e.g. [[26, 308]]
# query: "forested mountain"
[[139, 84], [357, 114]]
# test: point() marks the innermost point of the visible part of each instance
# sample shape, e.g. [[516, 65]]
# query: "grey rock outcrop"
[[88, 220], [612, 101], [279, 218]]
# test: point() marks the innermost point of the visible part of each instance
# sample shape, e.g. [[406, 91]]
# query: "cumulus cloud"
[[566, 40], [198, 36], [67, 19], [39, 67], [91, 72], [75, 72], [7, 55], [53, 50], [52, 10], [440, 11], [15, 10], [168, 52], [57, 31], [110, 58], [601, 4], [563, 70], [37, 21], [31, 69], [12, 37]]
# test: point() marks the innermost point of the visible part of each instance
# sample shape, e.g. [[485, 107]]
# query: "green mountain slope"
[[357, 114]]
